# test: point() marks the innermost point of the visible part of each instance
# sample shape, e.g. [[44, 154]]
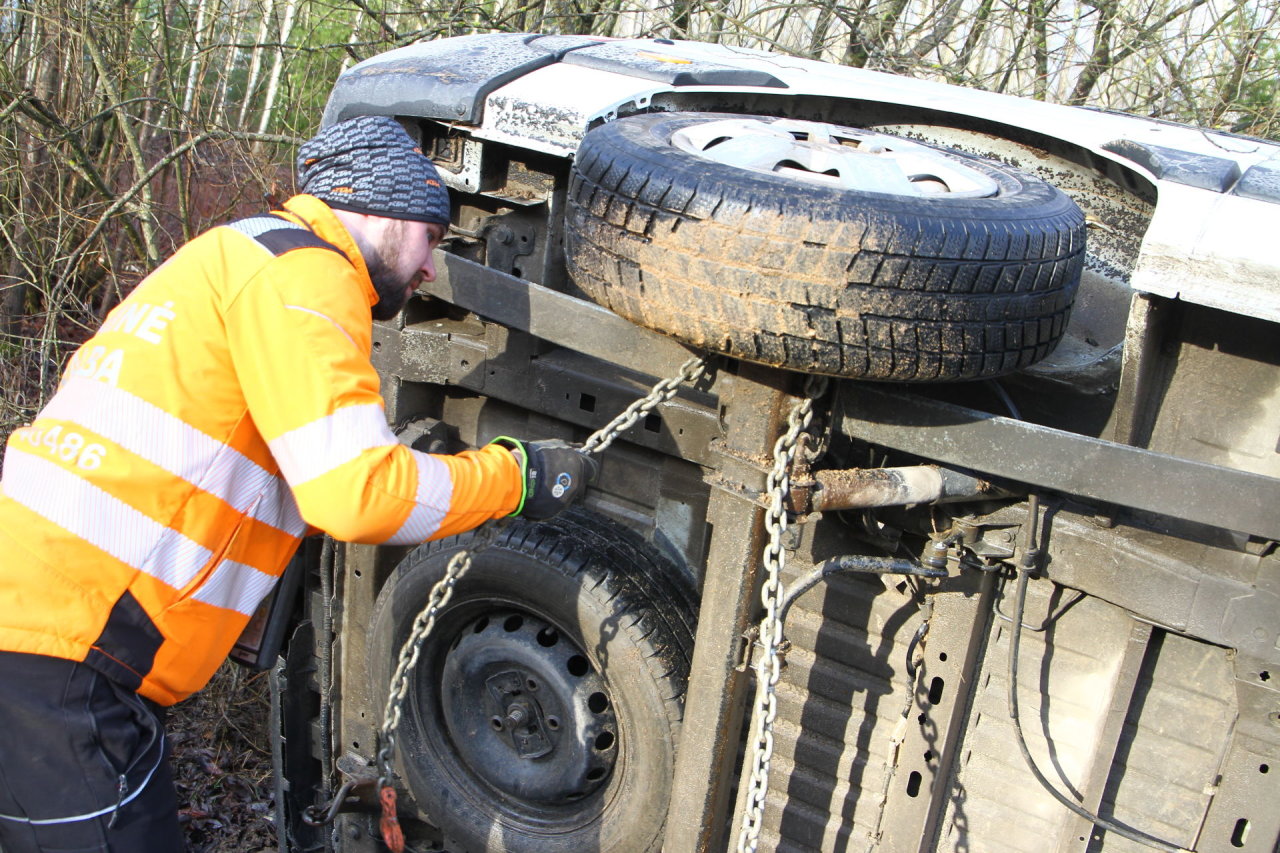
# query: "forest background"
[[128, 126]]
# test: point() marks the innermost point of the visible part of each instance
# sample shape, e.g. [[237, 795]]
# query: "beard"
[[392, 288]]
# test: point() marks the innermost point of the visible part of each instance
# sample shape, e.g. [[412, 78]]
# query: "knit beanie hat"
[[371, 165]]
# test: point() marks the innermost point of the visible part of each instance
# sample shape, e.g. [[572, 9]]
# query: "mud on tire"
[[544, 713], [808, 275]]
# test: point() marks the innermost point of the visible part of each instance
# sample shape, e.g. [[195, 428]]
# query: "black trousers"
[[83, 763]]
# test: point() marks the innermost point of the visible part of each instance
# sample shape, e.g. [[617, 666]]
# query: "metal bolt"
[[937, 558], [515, 715]]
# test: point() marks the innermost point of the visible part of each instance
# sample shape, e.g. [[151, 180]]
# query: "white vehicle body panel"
[[1135, 468], [1212, 249], [1202, 246]]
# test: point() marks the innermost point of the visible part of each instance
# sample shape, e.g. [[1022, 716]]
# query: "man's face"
[[399, 258]]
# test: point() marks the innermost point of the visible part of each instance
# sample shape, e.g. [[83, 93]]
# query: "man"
[[224, 410]]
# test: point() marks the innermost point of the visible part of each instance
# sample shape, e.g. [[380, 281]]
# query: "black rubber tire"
[[629, 610], [820, 279]]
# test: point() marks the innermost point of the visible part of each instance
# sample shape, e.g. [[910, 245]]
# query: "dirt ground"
[[222, 764]]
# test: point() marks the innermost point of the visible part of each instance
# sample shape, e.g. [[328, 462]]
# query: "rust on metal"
[[864, 488]]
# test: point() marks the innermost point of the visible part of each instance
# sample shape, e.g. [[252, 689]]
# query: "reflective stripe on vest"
[[279, 235], [152, 503], [134, 424]]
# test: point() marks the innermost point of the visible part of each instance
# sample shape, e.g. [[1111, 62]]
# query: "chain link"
[[412, 648], [691, 370], [769, 668]]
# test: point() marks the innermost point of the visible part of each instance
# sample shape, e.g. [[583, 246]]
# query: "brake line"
[[1028, 564]]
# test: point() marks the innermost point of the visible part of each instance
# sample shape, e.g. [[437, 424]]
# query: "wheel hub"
[[830, 155], [526, 711], [522, 720]]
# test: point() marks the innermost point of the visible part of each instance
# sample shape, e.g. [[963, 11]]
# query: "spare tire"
[[820, 248]]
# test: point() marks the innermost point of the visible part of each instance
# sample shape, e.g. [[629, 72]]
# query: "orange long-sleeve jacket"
[[223, 410]]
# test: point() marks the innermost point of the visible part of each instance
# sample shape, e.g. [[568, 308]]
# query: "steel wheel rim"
[[834, 156], [562, 745]]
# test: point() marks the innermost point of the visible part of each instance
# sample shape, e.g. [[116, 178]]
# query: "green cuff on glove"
[[521, 455]]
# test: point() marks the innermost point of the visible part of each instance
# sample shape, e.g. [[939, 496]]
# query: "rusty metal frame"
[[954, 435], [753, 410], [1063, 461]]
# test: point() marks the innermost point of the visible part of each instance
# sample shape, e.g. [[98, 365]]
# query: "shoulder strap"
[[279, 235]]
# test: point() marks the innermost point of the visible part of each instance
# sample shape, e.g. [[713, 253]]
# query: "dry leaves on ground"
[[222, 764]]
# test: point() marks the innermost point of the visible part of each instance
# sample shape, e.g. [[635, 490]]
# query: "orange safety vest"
[[225, 409]]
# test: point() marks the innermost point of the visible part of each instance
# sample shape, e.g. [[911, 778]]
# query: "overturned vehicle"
[[960, 536]]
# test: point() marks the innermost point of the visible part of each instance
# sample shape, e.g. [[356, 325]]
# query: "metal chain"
[[690, 371], [769, 668], [412, 648], [458, 565]]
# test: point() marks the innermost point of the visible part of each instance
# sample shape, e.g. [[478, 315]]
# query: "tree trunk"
[[858, 51], [974, 38], [38, 75], [1099, 61], [942, 31], [193, 67], [821, 27], [352, 40], [1037, 13], [255, 64], [232, 33], [273, 86]]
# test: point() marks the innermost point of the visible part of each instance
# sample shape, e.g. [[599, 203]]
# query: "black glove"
[[555, 475]]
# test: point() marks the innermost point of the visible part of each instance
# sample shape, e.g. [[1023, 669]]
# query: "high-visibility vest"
[[224, 410]]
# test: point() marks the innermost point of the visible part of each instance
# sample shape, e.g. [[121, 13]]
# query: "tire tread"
[[772, 281], [653, 600]]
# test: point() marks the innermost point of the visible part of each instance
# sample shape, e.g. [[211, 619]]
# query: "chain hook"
[[317, 815], [389, 823]]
